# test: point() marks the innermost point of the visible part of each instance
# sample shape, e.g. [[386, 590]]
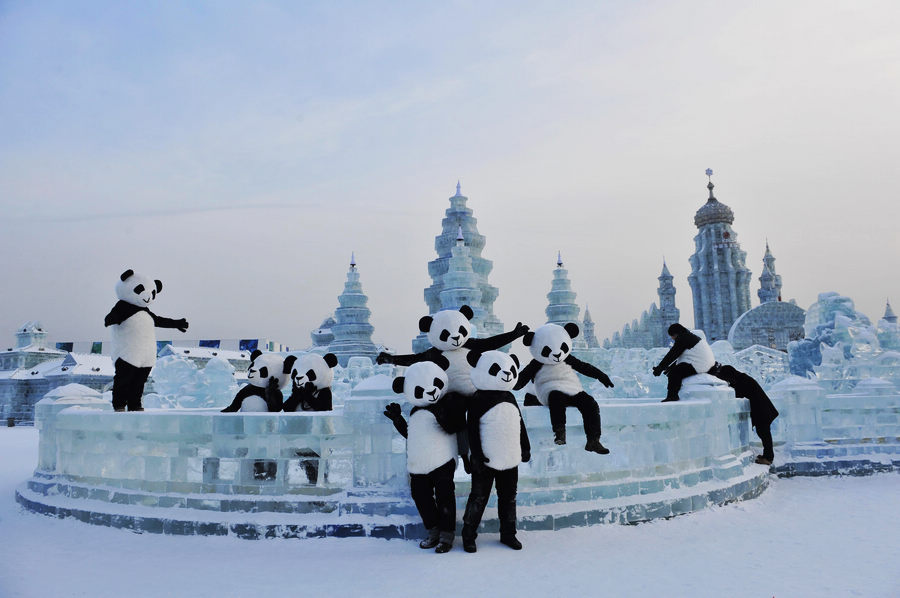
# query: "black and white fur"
[[133, 328], [267, 374], [498, 441], [311, 378], [430, 447], [554, 371]]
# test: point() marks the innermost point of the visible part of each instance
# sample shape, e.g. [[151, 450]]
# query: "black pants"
[[585, 403], [765, 436], [482, 481], [435, 496], [676, 374], [128, 385]]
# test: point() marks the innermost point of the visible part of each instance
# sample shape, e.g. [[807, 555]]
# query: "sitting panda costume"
[[311, 378], [553, 370], [449, 332], [499, 442], [430, 447], [268, 372], [134, 337]]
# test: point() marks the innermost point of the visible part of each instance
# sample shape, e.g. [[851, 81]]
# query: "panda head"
[[264, 366], [551, 343], [493, 370], [311, 367], [137, 289], [423, 383], [448, 329]]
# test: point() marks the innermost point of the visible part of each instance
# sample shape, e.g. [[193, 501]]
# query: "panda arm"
[[493, 343], [321, 401], [527, 374], [404, 360], [120, 312], [161, 322], [683, 342], [451, 416], [473, 421], [585, 369], [523, 439], [245, 391], [273, 396]]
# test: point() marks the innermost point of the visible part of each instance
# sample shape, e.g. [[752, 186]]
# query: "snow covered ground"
[[803, 537]]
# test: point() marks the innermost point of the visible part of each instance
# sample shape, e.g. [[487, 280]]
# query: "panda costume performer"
[[498, 441], [268, 372], [311, 378], [430, 447], [688, 356], [449, 332], [134, 337], [555, 373]]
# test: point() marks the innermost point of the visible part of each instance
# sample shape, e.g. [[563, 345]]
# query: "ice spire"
[[889, 314], [352, 259], [559, 259], [590, 338], [562, 308], [352, 331], [458, 189]]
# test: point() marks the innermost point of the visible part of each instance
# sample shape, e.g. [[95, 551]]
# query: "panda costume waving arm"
[[527, 374], [586, 369], [493, 343]]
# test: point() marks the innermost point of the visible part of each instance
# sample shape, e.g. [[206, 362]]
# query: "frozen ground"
[[803, 537]]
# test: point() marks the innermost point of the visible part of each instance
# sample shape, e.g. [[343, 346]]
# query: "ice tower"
[[352, 331], [562, 308], [719, 279], [590, 337], [889, 314], [651, 330], [460, 274], [769, 282]]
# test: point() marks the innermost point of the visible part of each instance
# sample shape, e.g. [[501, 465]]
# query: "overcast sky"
[[240, 152]]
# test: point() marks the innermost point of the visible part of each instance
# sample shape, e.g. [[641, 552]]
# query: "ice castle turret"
[[562, 308], [459, 222], [668, 313], [590, 337], [719, 279], [352, 331], [889, 314], [30, 334], [769, 282], [651, 330]]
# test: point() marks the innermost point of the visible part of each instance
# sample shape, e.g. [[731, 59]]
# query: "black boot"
[[446, 542], [670, 399], [511, 541], [468, 539], [594, 446], [559, 435], [432, 540]]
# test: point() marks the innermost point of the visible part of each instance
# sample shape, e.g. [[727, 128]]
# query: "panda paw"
[[392, 411], [383, 358], [183, 325], [606, 382], [521, 329]]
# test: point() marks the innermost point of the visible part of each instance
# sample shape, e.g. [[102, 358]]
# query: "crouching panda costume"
[[688, 356], [311, 378], [134, 337], [555, 373], [430, 447], [449, 332], [498, 441], [268, 372]]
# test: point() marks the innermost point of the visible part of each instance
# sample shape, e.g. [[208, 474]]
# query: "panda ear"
[[397, 384], [442, 362], [473, 358], [256, 353], [330, 359], [158, 285], [467, 311], [515, 359], [572, 329], [425, 323], [288, 364], [126, 275], [528, 338]]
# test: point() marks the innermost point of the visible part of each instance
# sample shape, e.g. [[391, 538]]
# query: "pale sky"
[[239, 152]]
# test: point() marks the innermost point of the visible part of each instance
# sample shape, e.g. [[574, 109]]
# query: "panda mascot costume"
[[134, 337], [498, 441], [449, 332], [311, 378], [268, 372], [430, 447], [554, 371]]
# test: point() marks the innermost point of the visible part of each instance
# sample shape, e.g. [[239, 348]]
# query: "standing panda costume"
[[267, 374], [134, 337], [499, 442], [430, 447], [449, 332], [311, 378], [553, 370]]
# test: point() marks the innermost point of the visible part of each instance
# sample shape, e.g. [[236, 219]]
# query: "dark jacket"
[[762, 411], [684, 341]]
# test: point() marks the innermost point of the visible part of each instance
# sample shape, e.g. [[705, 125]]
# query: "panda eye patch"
[[494, 370], [139, 289], [154, 294], [445, 334], [564, 348], [419, 392], [438, 383], [545, 352], [311, 375], [264, 372], [463, 331], [513, 370]]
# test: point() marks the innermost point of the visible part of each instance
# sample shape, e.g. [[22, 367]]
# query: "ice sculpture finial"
[[458, 189], [559, 259], [889, 314], [459, 234], [710, 186], [352, 259], [665, 270]]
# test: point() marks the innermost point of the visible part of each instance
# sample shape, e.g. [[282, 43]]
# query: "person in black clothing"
[[688, 356], [762, 411]]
